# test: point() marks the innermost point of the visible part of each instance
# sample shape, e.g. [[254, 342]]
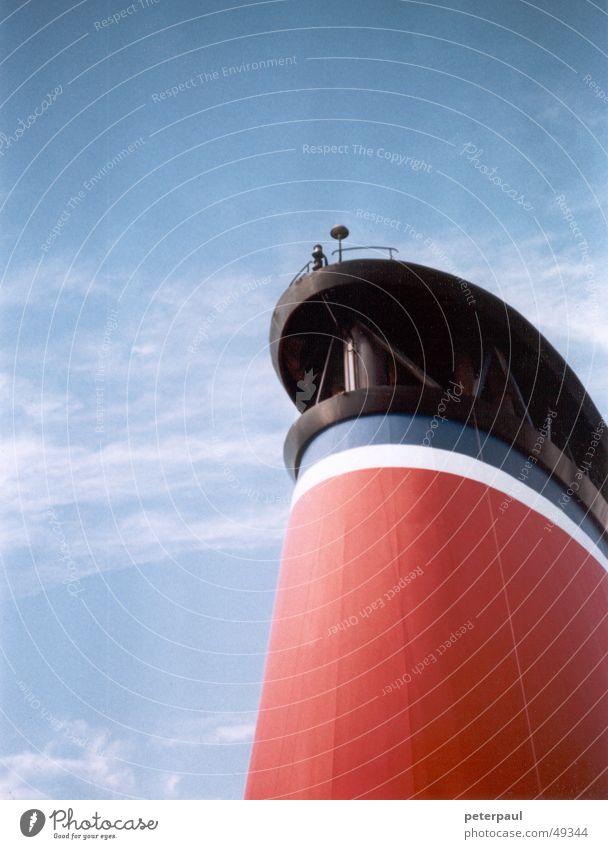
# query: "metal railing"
[[367, 248]]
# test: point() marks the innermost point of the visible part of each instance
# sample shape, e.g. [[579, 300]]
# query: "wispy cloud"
[[222, 729], [144, 449], [239, 733], [103, 767], [99, 764]]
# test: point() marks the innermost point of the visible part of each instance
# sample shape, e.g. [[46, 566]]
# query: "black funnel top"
[[375, 335]]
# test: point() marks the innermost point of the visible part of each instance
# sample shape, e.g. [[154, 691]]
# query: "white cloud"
[[239, 733], [175, 469], [171, 783], [100, 764], [13, 787], [39, 287], [216, 730], [108, 767], [148, 533]]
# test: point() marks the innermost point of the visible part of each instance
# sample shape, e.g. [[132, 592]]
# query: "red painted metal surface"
[[427, 645]]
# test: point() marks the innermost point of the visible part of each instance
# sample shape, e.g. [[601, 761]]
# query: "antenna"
[[339, 232]]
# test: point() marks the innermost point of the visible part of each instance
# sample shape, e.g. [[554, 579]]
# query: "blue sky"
[[157, 196]]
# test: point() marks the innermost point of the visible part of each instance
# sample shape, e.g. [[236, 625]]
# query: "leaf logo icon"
[[32, 822]]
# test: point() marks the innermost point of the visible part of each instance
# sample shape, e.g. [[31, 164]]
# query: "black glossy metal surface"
[[434, 328]]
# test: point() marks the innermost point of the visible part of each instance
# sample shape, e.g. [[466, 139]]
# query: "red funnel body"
[[440, 626]]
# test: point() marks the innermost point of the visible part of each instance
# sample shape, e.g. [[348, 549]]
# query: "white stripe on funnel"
[[442, 460]]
